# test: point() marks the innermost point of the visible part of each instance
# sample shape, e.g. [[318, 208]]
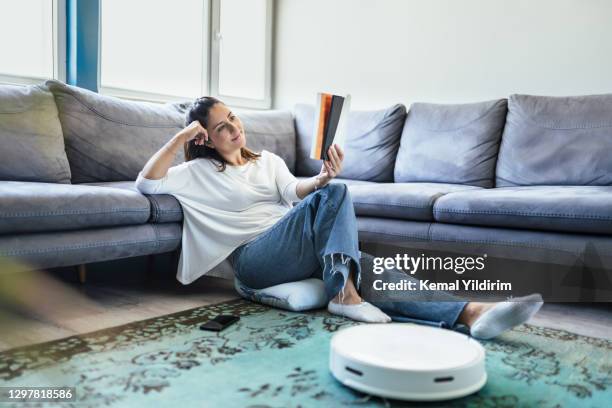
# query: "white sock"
[[506, 315], [361, 312]]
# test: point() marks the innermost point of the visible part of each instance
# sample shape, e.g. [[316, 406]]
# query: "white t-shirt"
[[223, 210]]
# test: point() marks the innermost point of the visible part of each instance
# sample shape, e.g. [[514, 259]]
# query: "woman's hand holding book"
[[332, 167]]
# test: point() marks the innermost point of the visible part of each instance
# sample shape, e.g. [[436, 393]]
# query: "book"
[[331, 114]]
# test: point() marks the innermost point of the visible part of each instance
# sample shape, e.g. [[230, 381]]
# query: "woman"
[[238, 204]]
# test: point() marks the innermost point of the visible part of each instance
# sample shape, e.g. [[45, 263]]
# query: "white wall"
[[388, 51]]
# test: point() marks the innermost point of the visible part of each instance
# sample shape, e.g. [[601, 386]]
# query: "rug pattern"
[[273, 358]]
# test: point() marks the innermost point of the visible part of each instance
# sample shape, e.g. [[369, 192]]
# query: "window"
[[154, 50], [32, 40], [164, 50], [241, 53]]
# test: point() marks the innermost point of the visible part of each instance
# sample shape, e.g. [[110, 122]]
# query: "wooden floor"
[[120, 292], [114, 293]]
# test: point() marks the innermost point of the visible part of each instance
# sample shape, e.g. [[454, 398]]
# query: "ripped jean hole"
[[344, 260]]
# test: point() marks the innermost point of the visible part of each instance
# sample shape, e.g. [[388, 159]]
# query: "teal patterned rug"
[[273, 358]]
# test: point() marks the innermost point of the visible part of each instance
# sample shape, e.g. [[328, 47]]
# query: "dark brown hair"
[[199, 111]]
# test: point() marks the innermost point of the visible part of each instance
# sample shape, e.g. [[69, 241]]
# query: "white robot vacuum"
[[407, 361]]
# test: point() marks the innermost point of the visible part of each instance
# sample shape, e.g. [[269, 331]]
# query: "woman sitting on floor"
[[239, 204]]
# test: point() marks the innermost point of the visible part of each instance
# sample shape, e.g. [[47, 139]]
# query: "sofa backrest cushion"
[[455, 144], [370, 146], [31, 141], [557, 141], [111, 139], [271, 130]]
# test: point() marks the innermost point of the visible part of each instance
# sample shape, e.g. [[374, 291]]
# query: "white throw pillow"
[[294, 296]]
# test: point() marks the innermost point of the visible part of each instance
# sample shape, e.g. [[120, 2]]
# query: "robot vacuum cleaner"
[[407, 361]]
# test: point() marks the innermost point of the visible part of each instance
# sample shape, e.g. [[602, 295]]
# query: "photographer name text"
[[459, 284]]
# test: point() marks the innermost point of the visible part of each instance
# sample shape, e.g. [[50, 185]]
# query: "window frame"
[[210, 65], [157, 97], [266, 102], [58, 40]]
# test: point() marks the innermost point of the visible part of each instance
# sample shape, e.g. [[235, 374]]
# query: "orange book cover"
[[326, 100]]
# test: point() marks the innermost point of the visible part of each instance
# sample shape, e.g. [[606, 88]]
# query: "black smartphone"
[[220, 322]]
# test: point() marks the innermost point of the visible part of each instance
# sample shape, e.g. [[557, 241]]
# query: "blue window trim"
[[83, 43]]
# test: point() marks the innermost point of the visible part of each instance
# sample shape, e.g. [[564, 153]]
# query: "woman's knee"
[[333, 201], [336, 188], [336, 192]]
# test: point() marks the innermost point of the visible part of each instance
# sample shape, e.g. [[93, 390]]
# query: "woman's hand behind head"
[[195, 131]]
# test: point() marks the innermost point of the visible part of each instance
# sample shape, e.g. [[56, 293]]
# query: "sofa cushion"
[[409, 201], [296, 296], [64, 248], [370, 146], [455, 144], [31, 139], [111, 139], [585, 209], [348, 182], [30, 206], [272, 130], [164, 207], [556, 141]]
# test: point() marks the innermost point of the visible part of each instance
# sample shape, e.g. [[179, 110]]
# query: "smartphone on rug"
[[220, 322]]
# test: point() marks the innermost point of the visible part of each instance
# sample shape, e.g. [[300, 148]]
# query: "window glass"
[[26, 38], [242, 48], [153, 46]]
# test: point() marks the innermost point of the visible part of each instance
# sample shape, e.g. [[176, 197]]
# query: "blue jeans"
[[318, 238]]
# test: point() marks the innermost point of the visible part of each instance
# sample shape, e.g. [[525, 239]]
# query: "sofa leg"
[[82, 270]]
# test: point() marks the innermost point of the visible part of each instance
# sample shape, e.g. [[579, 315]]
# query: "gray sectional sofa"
[[527, 177]]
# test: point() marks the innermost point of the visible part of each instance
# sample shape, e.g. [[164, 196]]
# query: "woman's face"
[[225, 129]]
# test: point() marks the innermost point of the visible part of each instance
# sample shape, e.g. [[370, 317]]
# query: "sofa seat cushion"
[[583, 209], [164, 207], [408, 201], [30, 207], [348, 182], [40, 250]]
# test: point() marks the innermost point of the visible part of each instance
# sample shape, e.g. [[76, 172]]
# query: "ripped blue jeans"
[[318, 238]]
